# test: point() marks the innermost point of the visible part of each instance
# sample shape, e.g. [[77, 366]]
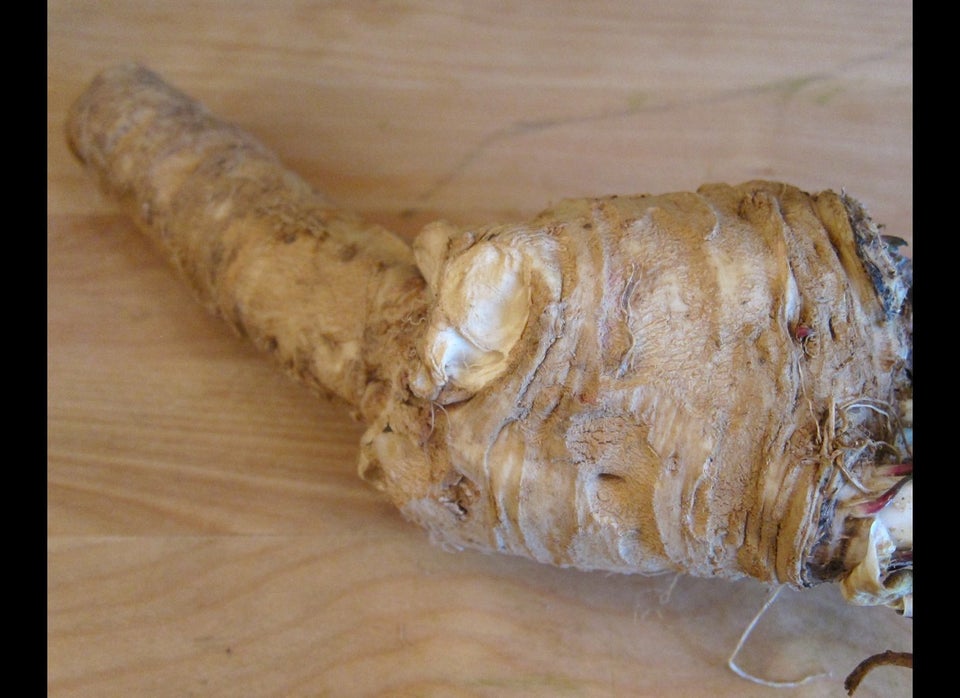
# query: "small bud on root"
[[716, 382]]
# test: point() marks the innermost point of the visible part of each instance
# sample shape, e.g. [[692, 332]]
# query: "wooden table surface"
[[208, 535]]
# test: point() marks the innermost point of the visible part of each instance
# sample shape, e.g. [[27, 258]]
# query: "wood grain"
[[207, 533]]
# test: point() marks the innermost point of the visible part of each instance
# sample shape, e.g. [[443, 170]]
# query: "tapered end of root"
[[322, 291]]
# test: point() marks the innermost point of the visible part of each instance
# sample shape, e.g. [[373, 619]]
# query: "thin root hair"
[[735, 668]]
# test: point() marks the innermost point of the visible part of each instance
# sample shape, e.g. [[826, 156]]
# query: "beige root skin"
[[687, 382], [660, 411], [315, 286]]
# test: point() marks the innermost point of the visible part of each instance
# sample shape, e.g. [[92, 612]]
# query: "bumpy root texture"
[[315, 286], [717, 383]]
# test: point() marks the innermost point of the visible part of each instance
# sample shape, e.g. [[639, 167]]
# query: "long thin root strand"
[[904, 659]]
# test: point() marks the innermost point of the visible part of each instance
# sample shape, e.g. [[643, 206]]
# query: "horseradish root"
[[717, 383]]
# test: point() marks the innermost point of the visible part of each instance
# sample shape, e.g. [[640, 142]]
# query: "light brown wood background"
[[208, 535]]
